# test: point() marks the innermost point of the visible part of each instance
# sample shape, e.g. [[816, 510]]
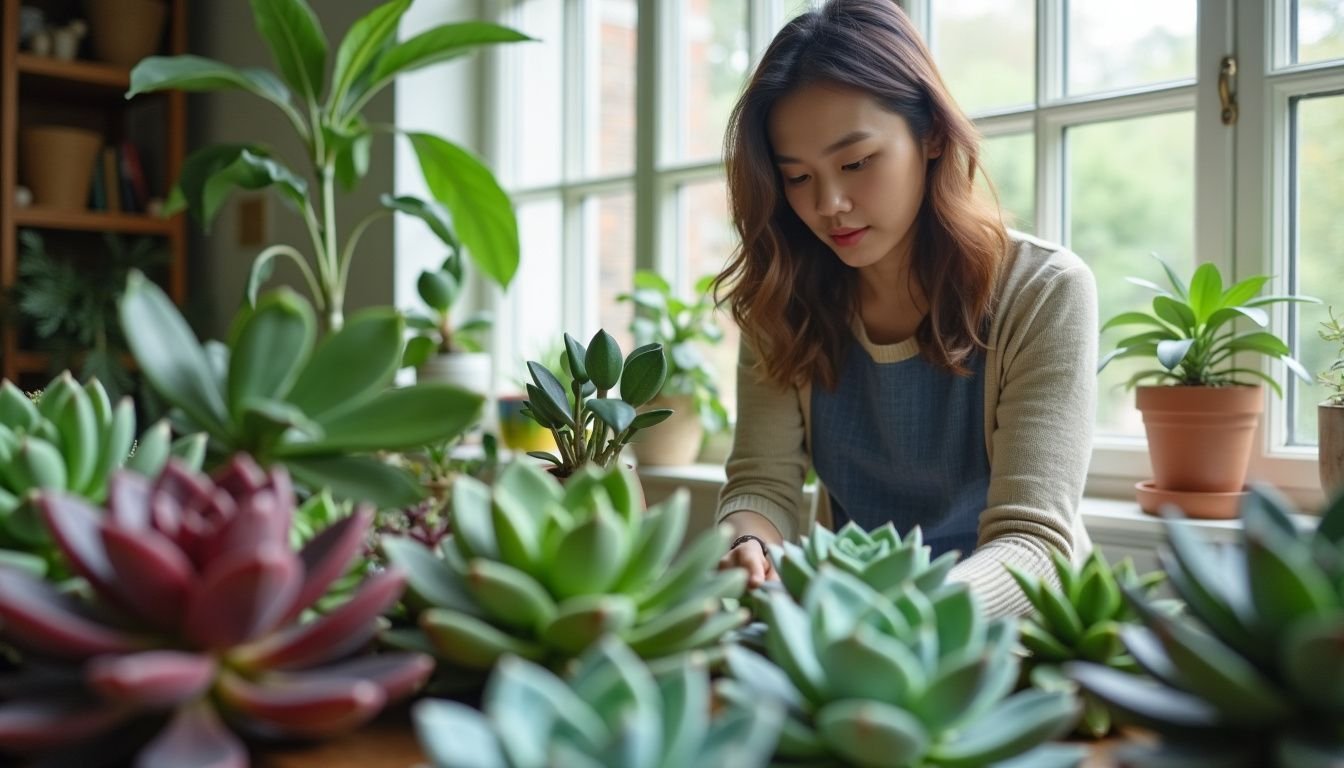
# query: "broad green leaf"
[[361, 46], [351, 366], [614, 413], [1149, 284], [418, 350], [1173, 278], [210, 174], [397, 419], [1132, 318], [1258, 316], [428, 211], [272, 350], [199, 74], [1178, 313], [357, 478], [1267, 300], [577, 357], [351, 147], [437, 289], [602, 361], [645, 371], [441, 43], [651, 280], [169, 355], [296, 41], [1171, 353], [1138, 350], [552, 392], [1206, 289], [480, 208], [651, 418], [1243, 291], [1259, 341]]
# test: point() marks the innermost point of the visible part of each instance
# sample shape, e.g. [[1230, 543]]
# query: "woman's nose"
[[832, 200]]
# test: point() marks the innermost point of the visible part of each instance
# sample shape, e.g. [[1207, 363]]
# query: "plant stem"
[[297, 258], [336, 301]]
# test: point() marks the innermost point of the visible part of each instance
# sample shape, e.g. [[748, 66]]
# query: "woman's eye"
[[796, 179], [857, 164]]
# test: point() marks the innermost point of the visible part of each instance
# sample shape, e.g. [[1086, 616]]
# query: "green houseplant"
[[193, 625], [1330, 413], [1251, 675], [589, 426], [611, 711], [441, 349], [327, 115], [1200, 429], [322, 410], [691, 390]]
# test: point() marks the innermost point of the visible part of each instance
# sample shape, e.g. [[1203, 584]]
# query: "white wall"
[[441, 98]]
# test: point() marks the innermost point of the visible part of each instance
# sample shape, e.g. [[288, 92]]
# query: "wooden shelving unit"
[[86, 94]]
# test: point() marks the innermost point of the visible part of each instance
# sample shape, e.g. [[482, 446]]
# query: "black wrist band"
[[749, 537]]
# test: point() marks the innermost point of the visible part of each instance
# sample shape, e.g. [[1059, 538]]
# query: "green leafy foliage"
[[328, 119], [682, 327], [321, 410], [898, 680], [1251, 674], [589, 426], [611, 711], [435, 331], [542, 571], [881, 559], [1192, 330], [1333, 377]]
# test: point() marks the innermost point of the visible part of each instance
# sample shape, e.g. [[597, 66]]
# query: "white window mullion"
[[1049, 137], [1215, 143]]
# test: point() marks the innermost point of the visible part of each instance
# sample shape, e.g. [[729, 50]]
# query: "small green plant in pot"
[[1201, 425], [1251, 674], [442, 349], [1330, 413], [327, 116], [691, 389], [590, 426]]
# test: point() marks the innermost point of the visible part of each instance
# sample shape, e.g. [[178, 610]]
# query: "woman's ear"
[[933, 147]]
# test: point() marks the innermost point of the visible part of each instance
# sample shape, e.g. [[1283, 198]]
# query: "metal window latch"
[[1227, 73]]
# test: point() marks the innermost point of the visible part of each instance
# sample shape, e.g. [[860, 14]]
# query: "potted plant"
[[589, 426], [1201, 414], [442, 350], [691, 390], [1330, 413], [468, 204]]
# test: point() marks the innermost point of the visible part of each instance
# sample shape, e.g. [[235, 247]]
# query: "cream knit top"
[[1040, 395]]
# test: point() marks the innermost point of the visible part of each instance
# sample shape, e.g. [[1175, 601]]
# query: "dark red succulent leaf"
[[39, 619], [398, 674], [153, 576], [30, 725], [243, 476], [332, 636], [195, 737], [308, 705], [258, 519], [242, 597], [128, 500], [74, 524], [152, 679], [328, 555]]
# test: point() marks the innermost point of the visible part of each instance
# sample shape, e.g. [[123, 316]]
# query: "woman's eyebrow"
[[853, 137]]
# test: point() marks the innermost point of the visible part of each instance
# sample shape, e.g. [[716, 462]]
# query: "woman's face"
[[851, 170]]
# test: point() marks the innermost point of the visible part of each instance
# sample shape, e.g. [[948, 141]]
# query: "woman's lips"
[[848, 237]]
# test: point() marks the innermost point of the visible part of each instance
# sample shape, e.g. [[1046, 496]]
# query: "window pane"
[[712, 64], [611, 107], [1131, 192], [1010, 162], [1126, 45], [707, 240], [535, 314], [986, 51], [1318, 29], [1319, 235], [534, 101], [609, 238]]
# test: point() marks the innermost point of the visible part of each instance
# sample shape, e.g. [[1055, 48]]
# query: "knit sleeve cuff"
[[995, 589], [778, 516]]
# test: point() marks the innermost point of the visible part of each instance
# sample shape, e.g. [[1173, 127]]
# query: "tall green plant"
[[327, 114], [1333, 377]]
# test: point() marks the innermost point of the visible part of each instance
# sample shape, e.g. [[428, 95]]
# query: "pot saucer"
[[1197, 504]]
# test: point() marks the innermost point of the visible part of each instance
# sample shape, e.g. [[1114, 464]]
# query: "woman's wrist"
[[749, 537]]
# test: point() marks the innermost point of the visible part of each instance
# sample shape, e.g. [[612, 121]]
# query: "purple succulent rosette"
[[195, 619]]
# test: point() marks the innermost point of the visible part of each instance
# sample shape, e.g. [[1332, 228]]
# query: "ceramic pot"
[[56, 163], [1330, 430], [468, 370], [676, 441], [123, 32], [1200, 438]]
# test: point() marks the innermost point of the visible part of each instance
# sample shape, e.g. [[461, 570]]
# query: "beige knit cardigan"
[[1040, 394]]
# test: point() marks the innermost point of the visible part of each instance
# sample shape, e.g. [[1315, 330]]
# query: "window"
[[1103, 131], [601, 193]]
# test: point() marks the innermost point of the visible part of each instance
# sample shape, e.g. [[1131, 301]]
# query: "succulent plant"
[[612, 711], [903, 679], [274, 392], [193, 618], [70, 440], [542, 572], [1252, 675], [435, 331], [881, 559], [1080, 620], [590, 427]]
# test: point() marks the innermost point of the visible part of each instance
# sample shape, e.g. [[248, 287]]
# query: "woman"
[[933, 367]]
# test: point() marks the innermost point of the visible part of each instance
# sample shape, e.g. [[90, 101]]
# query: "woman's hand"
[[750, 555]]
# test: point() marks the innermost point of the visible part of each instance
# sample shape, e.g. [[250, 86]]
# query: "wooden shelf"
[[51, 78], [94, 221]]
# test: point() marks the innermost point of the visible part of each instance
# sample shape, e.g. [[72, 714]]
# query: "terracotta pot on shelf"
[[56, 162], [676, 441], [1199, 442], [1330, 430], [123, 32]]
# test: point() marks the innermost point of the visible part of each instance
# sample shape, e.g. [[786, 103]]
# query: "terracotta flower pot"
[[1200, 438], [125, 31], [57, 164], [676, 441], [1330, 430]]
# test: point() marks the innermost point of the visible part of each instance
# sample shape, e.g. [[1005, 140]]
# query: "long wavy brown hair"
[[786, 289]]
